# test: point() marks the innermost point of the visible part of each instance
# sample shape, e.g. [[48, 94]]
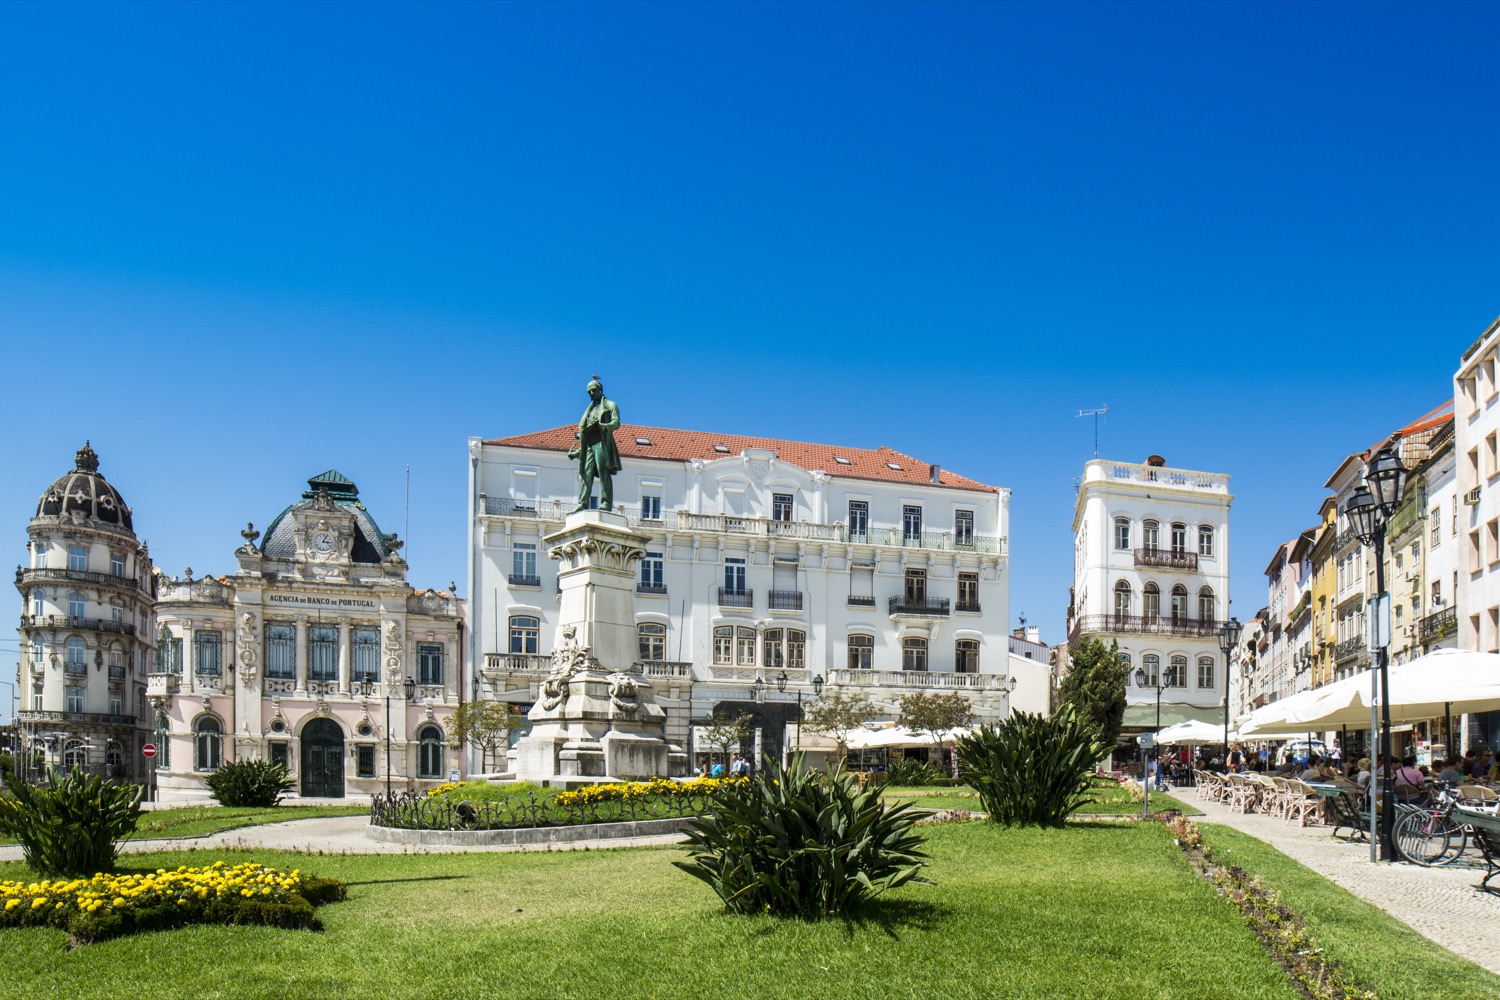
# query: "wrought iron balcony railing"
[[1349, 647], [87, 718], [736, 598], [786, 600], [51, 575], [652, 589], [69, 621], [525, 581], [903, 604], [1145, 625], [861, 600], [1439, 625], [972, 607]]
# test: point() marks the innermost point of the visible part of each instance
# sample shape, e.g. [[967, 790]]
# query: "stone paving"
[[1440, 903]]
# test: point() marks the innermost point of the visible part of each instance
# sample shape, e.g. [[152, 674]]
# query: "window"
[[117, 563], [653, 574], [963, 527], [1435, 537], [774, 658], [914, 654], [781, 506], [117, 613], [859, 519], [75, 699], [734, 576], [114, 758], [74, 755], [650, 508], [723, 645], [78, 558], [1179, 538], [1179, 603], [911, 523], [1206, 541], [784, 648], [916, 585], [1122, 599], [1151, 534], [39, 554], [968, 592], [861, 652], [278, 753], [796, 648], [208, 737], [168, 653], [322, 653], [1206, 672], [367, 654], [653, 641], [1206, 604], [523, 565], [525, 632], [966, 656], [1151, 664], [744, 647], [74, 652], [1178, 676], [429, 663], [207, 647], [1122, 532], [76, 606], [429, 752], [281, 650], [364, 757], [1151, 601], [116, 704], [38, 603]]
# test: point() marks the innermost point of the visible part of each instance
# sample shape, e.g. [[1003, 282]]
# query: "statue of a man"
[[598, 458]]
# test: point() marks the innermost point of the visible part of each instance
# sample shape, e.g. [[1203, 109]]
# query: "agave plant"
[[74, 828], [1030, 770], [794, 841], [256, 783]]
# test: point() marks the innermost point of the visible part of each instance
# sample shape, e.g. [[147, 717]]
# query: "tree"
[[1095, 687], [935, 714], [726, 731], [837, 714], [486, 726]]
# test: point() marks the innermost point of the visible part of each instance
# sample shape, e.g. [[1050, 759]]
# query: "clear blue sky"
[[240, 244]]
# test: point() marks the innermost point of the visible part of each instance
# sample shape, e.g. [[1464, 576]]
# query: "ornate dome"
[[370, 543], [85, 491]]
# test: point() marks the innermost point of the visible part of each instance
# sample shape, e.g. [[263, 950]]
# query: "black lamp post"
[[1368, 510], [1161, 684], [1229, 637], [410, 688]]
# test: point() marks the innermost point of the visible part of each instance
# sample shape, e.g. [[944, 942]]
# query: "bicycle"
[[1428, 835]]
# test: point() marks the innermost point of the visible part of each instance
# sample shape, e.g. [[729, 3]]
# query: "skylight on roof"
[[894, 466], [643, 442], [842, 460], [722, 449]]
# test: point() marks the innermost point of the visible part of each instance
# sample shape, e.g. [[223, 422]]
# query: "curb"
[[526, 836]]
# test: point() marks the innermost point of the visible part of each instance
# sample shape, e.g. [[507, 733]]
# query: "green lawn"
[[1109, 798], [200, 821], [1096, 910]]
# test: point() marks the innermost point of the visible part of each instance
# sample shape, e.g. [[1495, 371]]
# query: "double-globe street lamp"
[[409, 687], [1229, 637], [1368, 510], [781, 683], [1161, 682]]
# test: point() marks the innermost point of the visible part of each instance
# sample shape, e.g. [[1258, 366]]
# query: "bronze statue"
[[596, 452]]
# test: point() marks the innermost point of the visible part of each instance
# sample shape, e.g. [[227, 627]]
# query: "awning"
[[1192, 732], [1446, 681], [899, 737], [1143, 716]]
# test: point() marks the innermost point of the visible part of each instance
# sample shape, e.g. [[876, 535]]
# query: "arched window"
[[281, 650], [429, 752], [208, 744], [1206, 604], [796, 648], [913, 654], [38, 603], [1178, 676], [1206, 541], [723, 645], [1122, 532], [366, 654], [1151, 664], [744, 647], [117, 612], [774, 660], [74, 652], [75, 755], [1206, 672], [525, 633], [1179, 538], [653, 642], [162, 760], [77, 607], [1179, 603], [1151, 601], [1122, 599], [861, 652], [966, 656], [1125, 663], [1151, 534], [114, 758]]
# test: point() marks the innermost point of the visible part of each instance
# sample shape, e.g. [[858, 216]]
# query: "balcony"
[[670, 669], [921, 679], [30, 576], [651, 589], [1349, 648], [68, 621], [786, 600], [968, 607], [116, 672], [534, 582], [498, 665], [84, 718], [1439, 625], [861, 600], [736, 598], [162, 685], [926, 607], [1167, 559], [1145, 625]]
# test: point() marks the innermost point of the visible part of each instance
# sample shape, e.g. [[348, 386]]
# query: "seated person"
[[1410, 782], [1450, 772], [1314, 770], [1363, 772], [1481, 769]]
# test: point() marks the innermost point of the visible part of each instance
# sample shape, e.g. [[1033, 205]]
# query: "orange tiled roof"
[[681, 446]]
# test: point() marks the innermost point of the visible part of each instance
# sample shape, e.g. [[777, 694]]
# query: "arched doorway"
[[323, 760], [769, 718]]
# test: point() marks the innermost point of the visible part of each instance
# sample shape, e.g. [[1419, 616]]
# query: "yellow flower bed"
[[623, 791], [449, 786], [107, 905]]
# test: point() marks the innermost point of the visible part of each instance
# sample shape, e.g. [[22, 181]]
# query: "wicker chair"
[[1479, 797], [1303, 802]]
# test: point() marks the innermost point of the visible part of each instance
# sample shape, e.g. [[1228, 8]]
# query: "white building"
[[86, 627], [1151, 572], [316, 653], [862, 569], [1476, 403]]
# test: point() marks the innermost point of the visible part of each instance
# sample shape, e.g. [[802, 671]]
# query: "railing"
[[88, 718], [861, 600], [525, 581], [1167, 559], [972, 607], [1407, 515], [75, 667], [786, 600], [420, 811], [524, 664], [1439, 625], [651, 589], [666, 668], [1349, 647], [736, 598], [915, 679], [1145, 625], [1344, 539], [43, 575], [1297, 612], [1159, 475], [116, 672], [903, 604], [165, 684], [68, 621]]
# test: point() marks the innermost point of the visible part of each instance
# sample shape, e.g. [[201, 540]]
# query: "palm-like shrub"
[[74, 828], [258, 783], [910, 772], [1030, 770], [798, 842]]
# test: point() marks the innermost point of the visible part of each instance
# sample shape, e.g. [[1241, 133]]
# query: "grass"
[[1097, 910], [1372, 944], [1110, 799], [201, 821]]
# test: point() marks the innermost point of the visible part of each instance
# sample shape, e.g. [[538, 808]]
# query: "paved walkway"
[[1440, 903]]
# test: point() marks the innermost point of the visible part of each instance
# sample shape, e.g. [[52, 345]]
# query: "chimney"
[[937, 475], [1156, 461]]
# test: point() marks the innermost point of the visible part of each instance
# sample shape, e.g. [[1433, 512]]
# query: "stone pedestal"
[[596, 717]]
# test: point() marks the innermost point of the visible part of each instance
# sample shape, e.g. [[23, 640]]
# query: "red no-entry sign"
[[149, 750]]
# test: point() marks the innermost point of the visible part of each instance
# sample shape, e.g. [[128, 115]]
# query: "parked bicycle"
[[1429, 835]]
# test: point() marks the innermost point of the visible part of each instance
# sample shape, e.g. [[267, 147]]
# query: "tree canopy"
[[935, 714], [1095, 687], [838, 714]]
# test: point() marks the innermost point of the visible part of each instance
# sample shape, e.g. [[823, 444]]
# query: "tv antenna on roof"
[[1096, 414]]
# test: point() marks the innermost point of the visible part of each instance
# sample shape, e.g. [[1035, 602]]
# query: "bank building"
[[315, 653]]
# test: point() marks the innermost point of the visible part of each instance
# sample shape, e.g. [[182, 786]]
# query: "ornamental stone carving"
[[623, 693], [600, 552]]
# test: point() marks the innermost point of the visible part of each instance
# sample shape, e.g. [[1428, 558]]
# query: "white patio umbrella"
[[1191, 731], [1448, 681], [1269, 720], [899, 737]]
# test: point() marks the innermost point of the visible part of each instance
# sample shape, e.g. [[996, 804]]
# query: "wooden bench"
[[1344, 812], [1486, 827]]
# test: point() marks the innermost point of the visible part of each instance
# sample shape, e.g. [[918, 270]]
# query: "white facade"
[[864, 568], [1151, 572], [1476, 401]]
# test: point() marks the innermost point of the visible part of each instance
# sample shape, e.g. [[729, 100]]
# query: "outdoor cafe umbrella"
[[1191, 731], [1438, 684]]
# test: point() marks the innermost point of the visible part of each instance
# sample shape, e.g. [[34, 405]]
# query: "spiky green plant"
[[257, 783], [910, 772], [1030, 770], [74, 828], [799, 842]]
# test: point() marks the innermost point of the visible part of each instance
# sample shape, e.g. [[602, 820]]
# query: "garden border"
[[529, 835]]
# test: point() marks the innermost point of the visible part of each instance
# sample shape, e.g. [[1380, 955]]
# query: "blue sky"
[[240, 244]]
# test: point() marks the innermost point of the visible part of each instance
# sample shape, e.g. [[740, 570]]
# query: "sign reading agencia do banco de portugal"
[[314, 601]]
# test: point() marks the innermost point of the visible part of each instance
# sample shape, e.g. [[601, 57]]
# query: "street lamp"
[[1162, 682], [410, 689], [1229, 637], [756, 689], [1367, 510], [1010, 689]]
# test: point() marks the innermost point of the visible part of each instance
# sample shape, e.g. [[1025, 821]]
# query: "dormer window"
[[894, 467], [722, 449], [842, 460], [644, 442]]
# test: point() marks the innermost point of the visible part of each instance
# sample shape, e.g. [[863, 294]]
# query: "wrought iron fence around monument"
[[421, 811]]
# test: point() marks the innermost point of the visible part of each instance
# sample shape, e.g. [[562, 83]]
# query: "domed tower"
[[86, 628]]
